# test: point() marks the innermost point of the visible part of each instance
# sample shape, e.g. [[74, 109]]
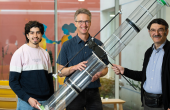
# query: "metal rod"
[[108, 23], [125, 79]]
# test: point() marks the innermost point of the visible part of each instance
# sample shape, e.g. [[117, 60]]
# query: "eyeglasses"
[[81, 22], [159, 31]]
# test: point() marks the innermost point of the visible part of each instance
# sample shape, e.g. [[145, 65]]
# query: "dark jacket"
[[141, 75]]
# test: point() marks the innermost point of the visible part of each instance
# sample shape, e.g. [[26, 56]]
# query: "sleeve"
[[15, 75], [51, 85], [62, 58], [50, 78], [135, 75]]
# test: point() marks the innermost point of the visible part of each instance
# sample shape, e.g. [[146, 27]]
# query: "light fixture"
[[112, 15], [81, 0]]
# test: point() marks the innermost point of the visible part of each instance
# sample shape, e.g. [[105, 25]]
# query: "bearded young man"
[[30, 70]]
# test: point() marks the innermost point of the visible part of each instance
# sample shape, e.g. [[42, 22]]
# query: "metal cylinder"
[[132, 26], [113, 45], [74, 85]]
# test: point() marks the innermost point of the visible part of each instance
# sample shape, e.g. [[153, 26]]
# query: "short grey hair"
[[82, 11]]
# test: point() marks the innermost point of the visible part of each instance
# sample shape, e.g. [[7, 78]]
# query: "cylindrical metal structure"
[[113, 45], [133, 24], [74, 85]]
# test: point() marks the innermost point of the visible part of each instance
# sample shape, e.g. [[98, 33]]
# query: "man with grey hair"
[[89, 98], [155, 75]]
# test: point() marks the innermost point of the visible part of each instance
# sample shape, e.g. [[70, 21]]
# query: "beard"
[[37, 42]]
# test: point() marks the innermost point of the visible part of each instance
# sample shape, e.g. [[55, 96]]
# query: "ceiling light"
[[112, 15]]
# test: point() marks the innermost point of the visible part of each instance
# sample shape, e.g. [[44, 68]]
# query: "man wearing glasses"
[[89, 98], [155, 75]]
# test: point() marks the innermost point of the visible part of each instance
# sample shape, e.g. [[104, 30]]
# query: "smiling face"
[[158, 34], [34, 37], [83, 24]]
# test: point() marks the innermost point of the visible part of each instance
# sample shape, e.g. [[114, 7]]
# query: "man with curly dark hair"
[[31, 71]]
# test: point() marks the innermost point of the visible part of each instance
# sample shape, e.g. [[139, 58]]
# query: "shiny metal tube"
[[113, 46], [74, 85], [132, 26]]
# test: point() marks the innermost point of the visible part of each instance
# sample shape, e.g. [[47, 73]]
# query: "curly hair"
[[31, 24]]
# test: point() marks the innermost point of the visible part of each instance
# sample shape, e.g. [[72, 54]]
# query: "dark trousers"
[[88, 99], [149, 108]]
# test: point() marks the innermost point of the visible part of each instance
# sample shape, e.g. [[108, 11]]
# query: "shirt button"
[[152, 78], [151, 87], [152, 70], [85, 52]]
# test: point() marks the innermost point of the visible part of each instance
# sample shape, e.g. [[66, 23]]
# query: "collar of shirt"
[[157, 50], [79, 40]]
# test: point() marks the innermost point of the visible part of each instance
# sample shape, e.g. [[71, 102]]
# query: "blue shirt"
[[70, 49], [153, 82]]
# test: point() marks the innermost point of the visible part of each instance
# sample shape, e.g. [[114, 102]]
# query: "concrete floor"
[[111, 107]]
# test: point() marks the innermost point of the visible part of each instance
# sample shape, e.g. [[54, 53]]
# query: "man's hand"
[[33, 102], [81, 66], [96, 76], [69, 70], [99, 74], [168, 109], [118, 69]]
